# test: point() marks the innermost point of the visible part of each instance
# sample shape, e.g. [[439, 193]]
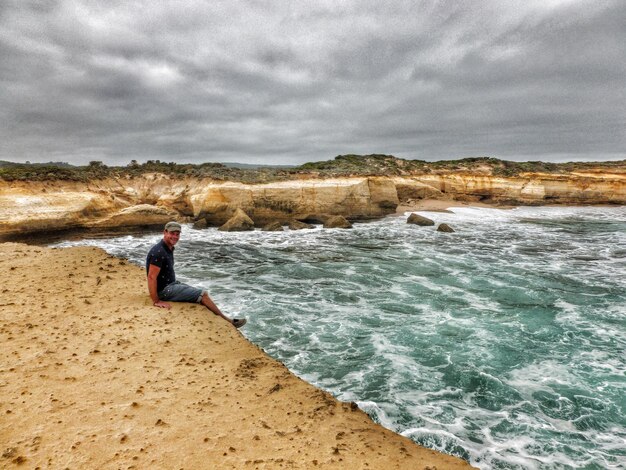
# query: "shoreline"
[[423, 205], [94, 376], [443, 205], [50, 237]]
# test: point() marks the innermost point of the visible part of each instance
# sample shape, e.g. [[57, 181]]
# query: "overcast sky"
[[289, 82]]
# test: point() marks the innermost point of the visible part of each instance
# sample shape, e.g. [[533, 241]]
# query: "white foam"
[[569, 312], [372, 408], [538, 377], [421, 431]]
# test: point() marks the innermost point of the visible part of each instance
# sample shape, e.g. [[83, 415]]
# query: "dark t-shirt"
[[160, 255]]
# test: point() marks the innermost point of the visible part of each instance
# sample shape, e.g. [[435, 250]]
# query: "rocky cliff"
[[152, 199], [27, 207], [525, 189]]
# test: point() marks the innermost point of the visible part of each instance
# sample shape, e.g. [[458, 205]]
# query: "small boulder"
[[445, 228], [419, 220], [239, 222], [200, 224], [297, 225], [273, 227], [337, 221], [314, 218]]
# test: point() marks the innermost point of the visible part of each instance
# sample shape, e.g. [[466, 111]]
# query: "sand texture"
[[93, 376]]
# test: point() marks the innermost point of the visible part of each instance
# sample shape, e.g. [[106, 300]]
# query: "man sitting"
[[162, 283]]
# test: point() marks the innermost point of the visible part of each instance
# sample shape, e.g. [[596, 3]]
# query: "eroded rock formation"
[[151, 199], [337, 221], [417, 219], [239, 222], [445, 228], [532, 188]]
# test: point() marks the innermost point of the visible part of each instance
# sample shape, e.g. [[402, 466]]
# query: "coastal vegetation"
[[388, 165], [96, 170], [340, 166]]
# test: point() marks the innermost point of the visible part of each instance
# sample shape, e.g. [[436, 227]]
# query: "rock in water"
[[273, 227], [297, 225], [314, 218], [445, 228], [239, 222], [337, 221], [200, 224], [419, 220]]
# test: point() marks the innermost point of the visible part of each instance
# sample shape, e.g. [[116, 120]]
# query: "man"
[[162, 283]]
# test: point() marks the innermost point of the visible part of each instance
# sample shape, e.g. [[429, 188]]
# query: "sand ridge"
[[93, 376]]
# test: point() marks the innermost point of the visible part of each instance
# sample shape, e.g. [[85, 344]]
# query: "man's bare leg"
[[208, 303]]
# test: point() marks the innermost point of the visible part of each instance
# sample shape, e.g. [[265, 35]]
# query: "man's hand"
[[160, 303]]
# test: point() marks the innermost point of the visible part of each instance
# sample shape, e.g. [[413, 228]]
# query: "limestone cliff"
[[152, 199], [525, 189]]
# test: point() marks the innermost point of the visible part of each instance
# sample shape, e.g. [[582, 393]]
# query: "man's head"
[[171, 234]]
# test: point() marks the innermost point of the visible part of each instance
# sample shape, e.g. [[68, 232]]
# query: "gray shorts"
[[179, 292]]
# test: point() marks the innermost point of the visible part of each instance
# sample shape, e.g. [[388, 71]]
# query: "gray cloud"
[[276, 83]]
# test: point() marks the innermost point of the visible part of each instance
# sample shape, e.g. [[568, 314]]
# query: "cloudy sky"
[[289, 82]]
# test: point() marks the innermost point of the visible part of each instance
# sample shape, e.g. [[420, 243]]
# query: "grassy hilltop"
[[342, 165]]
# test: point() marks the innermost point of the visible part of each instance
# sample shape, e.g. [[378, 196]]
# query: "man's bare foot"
[[239, 322]]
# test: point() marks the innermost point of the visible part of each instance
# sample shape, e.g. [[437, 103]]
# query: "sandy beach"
[[94, 376]]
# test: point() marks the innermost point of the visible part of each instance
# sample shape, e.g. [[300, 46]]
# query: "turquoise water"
[[503, 343]]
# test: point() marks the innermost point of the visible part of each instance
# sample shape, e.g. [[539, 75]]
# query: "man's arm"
[[153, 272]]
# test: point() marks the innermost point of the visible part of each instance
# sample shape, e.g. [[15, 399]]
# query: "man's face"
[[171, 238]]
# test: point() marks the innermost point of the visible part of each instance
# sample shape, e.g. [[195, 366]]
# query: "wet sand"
[[93, 376]]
